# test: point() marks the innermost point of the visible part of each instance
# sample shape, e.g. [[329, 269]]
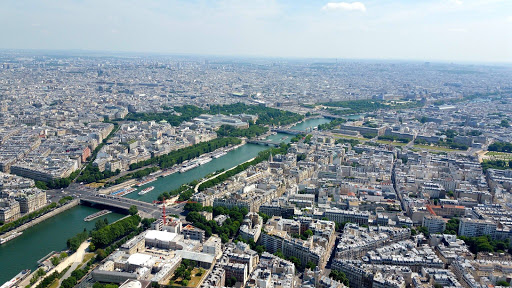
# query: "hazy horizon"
[[459, 31]]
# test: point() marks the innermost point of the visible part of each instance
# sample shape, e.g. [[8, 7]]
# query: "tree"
[[75, 242], [101, 254], [193, 207], [259, 249], [200, 272], [311, 265], [133, 210], [100, 224], [424, 230], [70, 282], [279, 254], [187, 275], [55, 261], [339, 276], [146, 222], [452, 226], [503, 283], [308, 233], [230, 282], [295, 261]]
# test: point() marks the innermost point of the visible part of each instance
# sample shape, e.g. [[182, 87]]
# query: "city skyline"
[[438, 30]]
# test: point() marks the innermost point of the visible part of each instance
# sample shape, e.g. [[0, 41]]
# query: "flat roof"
[[163, 236], [138, 259]]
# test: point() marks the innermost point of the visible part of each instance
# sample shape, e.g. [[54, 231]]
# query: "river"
[[37, 241], [231, 159], [51, 235]]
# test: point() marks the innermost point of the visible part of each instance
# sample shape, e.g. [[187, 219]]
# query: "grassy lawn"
[[55, 284], [391, 143], [437, 148], [499, 155], [350, 137], [87, 257], [194, 281]]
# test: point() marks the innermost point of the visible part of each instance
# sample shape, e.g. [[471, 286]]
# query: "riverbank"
[[72, 260], [36, 242], [41, 218], [196, 188]]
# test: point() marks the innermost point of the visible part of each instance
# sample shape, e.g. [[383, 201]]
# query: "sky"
[[425, 30]]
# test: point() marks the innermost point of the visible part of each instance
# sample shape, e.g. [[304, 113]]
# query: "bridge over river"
[[287, 131], [147, 209]]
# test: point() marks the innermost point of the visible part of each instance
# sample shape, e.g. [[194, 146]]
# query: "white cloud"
[[509, 19], [354, 6]]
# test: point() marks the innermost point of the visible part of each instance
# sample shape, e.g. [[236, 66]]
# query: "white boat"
[[188, 167], [167, 173], [203, 161], [10, 237], [16, 279], [144, 182], [146, 190], [220, 154]]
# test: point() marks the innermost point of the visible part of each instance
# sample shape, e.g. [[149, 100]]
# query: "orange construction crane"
[[163, 209]]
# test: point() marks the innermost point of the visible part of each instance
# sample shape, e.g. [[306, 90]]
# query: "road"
[[75, 259], [149, 209]]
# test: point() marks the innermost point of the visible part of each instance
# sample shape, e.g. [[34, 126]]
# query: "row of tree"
[[331, 125], [252, 131], [393, 138], [496, 164], [11, 225], [266, 115], [486, 244], [175, 117], [362, 106], [501, 147], [179, 114], [352, 142], [187, 153], [110, 233], [93, 174]]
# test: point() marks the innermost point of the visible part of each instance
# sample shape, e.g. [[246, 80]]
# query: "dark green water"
[[175, 180], [50, 235]]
